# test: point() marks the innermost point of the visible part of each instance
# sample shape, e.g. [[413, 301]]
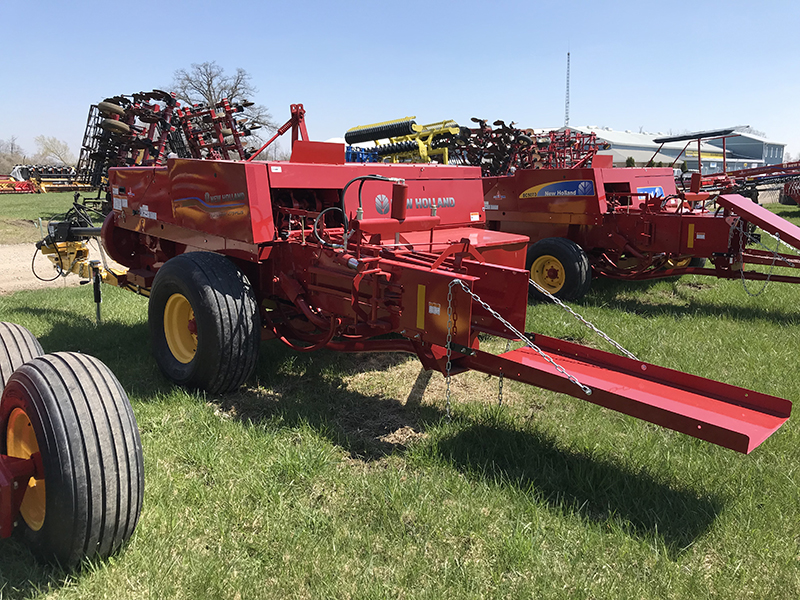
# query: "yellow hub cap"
[[548, 272], [180, 328], [21, 442]]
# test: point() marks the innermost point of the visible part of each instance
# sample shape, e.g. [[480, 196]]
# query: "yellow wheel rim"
[[548, 272], [21, 442], [679, 263], [180, 328]]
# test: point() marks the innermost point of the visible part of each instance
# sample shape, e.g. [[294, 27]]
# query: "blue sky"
[[659, 67]]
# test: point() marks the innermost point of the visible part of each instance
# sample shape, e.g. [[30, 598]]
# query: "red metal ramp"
[[719, 413], [760, 216]]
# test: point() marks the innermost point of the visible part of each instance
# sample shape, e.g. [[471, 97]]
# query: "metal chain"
[[588, 324], [740, 228], [501, 379], [586, 390], [449, 364]]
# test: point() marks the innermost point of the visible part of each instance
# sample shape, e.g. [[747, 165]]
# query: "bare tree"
[[207, 83], [10, 155], [53, 150]]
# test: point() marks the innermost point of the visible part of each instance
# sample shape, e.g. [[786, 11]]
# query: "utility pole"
[[566, 102]]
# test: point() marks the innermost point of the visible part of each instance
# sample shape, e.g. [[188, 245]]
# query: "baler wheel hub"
[[180, 328], [548, 272], [21, 442]]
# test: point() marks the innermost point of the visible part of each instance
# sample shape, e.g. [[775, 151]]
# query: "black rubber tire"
[[109, 108], [17, 346], [91, 453], [697, 262], [577, 271], [115, 126], [786, 200], [226, 316]]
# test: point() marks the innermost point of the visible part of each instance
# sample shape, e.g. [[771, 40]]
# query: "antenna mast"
[[566, 102]]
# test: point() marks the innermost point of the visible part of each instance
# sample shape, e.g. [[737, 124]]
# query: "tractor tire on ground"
[[561, 267], [109, 108], [71, 408], [115, 126], [17, 346], [786, 200], [204, 322]]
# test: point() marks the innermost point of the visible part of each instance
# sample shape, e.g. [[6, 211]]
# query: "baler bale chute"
[[71, 469], [318, 253]]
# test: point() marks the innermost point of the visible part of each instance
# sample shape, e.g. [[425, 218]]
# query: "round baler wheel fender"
[[17, 346], [204, 323], [71, 409], [561, 267], [109, 108]]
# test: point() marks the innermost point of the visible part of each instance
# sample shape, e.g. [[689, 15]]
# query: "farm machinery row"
[[585, 218], [497, 150], [319, 253]]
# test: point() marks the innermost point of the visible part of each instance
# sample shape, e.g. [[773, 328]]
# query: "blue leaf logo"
[[382, 204], [585, 188]]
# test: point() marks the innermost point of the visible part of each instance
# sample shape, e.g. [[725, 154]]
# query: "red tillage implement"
[[318, 253]]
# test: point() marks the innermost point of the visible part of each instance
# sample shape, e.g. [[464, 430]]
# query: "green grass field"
[[338, 476]]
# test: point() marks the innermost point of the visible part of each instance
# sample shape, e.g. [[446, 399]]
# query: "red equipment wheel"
[[561, 267], [17, 346], [71, 409], [204, 322]]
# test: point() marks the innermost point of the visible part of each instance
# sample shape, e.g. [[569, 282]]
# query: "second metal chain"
[[588, 324], [586, 389]]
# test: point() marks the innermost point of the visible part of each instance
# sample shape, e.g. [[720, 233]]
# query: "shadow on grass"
[[23, 576], [312, 389], [598, 490]]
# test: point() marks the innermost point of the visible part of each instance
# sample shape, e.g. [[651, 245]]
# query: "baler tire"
[[17, 346], [109, 108], [575, 277], [71, 409], [206, 293], [786, 200], [114, 126], [697, 262]]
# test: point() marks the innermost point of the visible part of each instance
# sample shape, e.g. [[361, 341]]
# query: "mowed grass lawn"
[[338, 476]]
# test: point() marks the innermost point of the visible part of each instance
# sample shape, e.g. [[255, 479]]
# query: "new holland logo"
[[382, 204]]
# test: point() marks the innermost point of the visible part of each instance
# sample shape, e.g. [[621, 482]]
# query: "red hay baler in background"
[[630, 224]]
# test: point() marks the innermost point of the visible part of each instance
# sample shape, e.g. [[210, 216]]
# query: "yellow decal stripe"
[[420, 306], [690, 241]]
